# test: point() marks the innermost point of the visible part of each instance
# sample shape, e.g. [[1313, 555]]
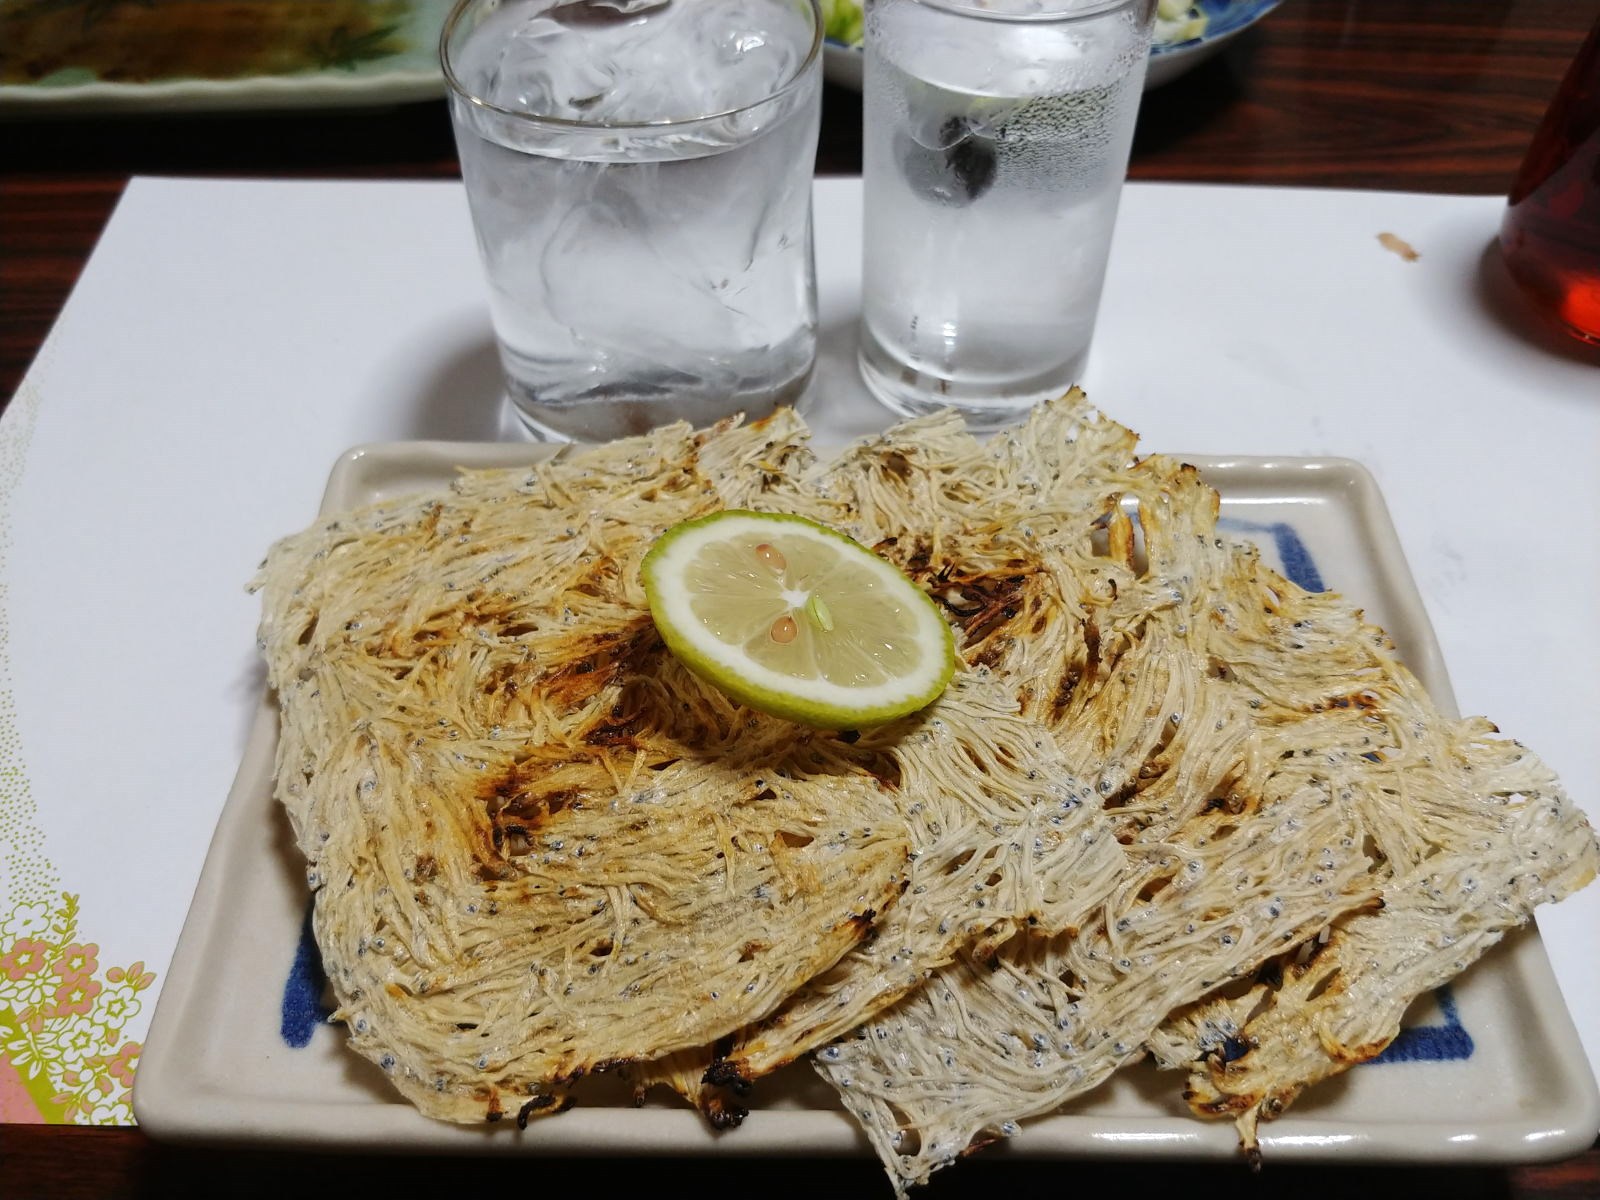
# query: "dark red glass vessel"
[[1550, 235]]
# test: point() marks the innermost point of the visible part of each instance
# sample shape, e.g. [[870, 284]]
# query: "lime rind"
[[807, 697]]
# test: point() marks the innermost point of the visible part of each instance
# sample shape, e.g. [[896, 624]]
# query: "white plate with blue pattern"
[[1488, 1070]]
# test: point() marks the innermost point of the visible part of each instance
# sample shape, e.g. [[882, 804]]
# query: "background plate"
[[290, 54], [1226, 20]]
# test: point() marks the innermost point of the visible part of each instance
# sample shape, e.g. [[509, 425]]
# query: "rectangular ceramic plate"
[[1487, 1070]]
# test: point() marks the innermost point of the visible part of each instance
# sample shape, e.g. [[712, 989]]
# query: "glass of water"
[[639, 174], [996, 142]]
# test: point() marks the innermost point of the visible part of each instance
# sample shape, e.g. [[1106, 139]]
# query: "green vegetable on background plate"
[[842, 21], [1178, 21]]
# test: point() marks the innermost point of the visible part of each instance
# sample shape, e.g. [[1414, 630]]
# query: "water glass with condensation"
[[639, 174], [996, 142]]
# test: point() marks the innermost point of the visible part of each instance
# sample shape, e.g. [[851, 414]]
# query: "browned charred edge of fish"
[[1364, 699], [494, 1112], [980, 602], [913, 556], [986, 949], [722, 1112], [886, 771], [617, 730], [610, 1064], [760, 423], [517, 811], [543, 1103], [895, 463], [598, 662], [1091, 646], [981, 1140], [1277, 1103], [728, 1073], [722, 1077], [864, 921], [1356, 1055], [1225, 1106]]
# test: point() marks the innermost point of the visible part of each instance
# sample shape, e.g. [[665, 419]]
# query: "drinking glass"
[[639, 176], [995, 146]]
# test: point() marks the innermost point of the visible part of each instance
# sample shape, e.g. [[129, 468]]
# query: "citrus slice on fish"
[[796, 619]]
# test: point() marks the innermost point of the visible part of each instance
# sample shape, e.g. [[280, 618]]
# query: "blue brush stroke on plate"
[[1298, 565], [303, 1009], [1449, 1042]]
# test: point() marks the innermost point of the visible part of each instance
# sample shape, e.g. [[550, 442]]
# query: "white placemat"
[[229, 339]]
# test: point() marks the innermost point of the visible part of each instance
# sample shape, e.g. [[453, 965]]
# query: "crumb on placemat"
[[1398, 245]]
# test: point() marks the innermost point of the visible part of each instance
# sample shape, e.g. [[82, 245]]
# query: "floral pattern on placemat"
[[65, 1057], [62, 1017]]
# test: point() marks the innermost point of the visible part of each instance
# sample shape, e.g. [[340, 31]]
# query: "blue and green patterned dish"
[[1222, 20]]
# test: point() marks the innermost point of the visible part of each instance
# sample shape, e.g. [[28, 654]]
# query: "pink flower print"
[[136, 976], [68, 1105], [26, 957], [74, 1094], [75, 996], [120, 1066], [76, 961]]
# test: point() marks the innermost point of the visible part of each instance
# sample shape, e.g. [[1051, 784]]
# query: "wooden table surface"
[[1415, 95]]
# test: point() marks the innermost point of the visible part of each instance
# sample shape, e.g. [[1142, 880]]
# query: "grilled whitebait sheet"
[[1473, 832], [542, 848], [1004, 837], [537, 844], [1371, 846]]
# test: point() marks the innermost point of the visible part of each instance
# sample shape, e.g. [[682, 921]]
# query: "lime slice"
[[795, 619]]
